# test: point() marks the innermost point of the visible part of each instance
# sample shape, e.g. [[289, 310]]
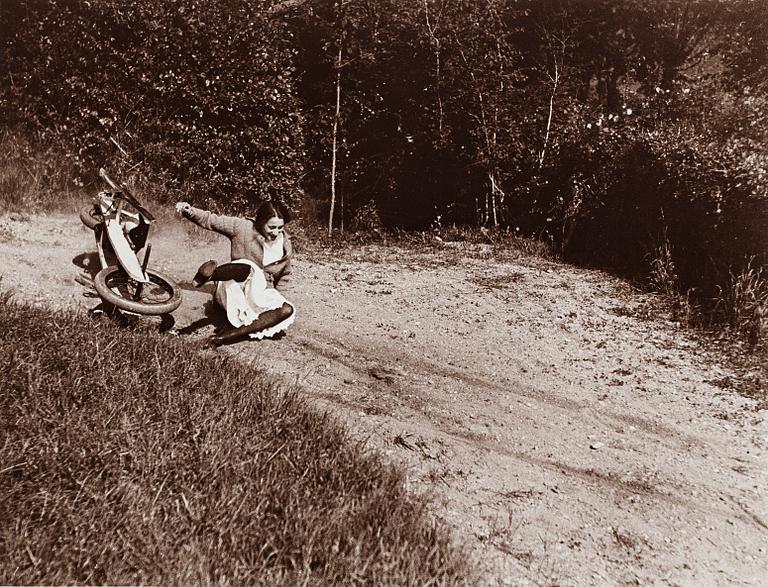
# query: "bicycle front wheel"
[[160, 296]]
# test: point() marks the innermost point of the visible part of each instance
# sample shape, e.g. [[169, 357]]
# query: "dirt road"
[[569, 441]]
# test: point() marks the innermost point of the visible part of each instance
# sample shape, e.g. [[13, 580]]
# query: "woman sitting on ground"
[[260, 253]]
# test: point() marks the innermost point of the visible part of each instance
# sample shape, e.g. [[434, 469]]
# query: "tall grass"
[[663, 279], [662, 273], [35, 177], [131, 457], [743, 302]]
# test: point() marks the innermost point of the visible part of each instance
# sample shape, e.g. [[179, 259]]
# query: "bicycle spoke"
[[146, 293]]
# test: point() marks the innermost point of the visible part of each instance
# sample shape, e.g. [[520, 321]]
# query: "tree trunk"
[[497, 200], [555, 80], [334, 149], [435, 41]]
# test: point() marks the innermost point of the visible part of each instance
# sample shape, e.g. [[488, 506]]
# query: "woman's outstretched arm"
[[226, 225]]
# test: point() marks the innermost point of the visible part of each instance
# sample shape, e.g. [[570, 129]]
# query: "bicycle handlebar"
[[126, 194]]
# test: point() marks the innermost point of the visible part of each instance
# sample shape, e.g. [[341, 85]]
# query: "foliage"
[[34, 178], [744, 302], [596, 126], [195, 94], [129, 457]]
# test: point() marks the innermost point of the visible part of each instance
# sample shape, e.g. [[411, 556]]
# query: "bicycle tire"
[[160, 296], [87, 218]]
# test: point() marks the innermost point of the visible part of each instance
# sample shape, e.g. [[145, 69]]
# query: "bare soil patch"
[[566, 439]]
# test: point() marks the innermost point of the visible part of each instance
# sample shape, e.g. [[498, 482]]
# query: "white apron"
[[244, 302]]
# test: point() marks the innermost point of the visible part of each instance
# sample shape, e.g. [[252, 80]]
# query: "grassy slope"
[[132, 457]]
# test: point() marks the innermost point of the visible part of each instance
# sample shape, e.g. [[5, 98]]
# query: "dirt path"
[[570, 442]]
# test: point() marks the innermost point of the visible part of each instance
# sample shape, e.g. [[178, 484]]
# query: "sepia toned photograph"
[[384, 293]]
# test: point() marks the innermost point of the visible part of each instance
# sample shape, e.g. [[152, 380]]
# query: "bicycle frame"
[[121, 227], [124, 235]]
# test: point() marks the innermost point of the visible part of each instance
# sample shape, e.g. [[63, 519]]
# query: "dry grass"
[[35, 178], [744, 302], [131, 457], [662, 271], [663, 279]]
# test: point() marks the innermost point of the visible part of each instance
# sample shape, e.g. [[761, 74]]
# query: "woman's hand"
[[183, 208]]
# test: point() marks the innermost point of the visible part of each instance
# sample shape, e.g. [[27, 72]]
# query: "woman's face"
[[273, 228]]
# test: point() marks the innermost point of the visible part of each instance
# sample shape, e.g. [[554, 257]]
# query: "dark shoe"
[[225, 339], [204, 273], [231, 336]]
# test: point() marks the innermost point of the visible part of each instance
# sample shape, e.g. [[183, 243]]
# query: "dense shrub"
[[197, 96], [619, 194]]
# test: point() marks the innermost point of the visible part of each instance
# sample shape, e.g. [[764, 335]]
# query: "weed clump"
[[35, 176], [744, 302], [133, 458]]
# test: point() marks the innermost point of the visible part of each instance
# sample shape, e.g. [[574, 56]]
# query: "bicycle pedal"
[[85, 281]]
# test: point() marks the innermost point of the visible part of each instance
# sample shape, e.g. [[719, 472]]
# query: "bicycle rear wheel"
[[160, 296]]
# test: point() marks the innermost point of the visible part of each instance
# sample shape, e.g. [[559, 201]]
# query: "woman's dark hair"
[[270, 210]]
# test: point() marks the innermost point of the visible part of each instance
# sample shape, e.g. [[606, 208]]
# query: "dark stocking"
[[265, 320], [235, 271]]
